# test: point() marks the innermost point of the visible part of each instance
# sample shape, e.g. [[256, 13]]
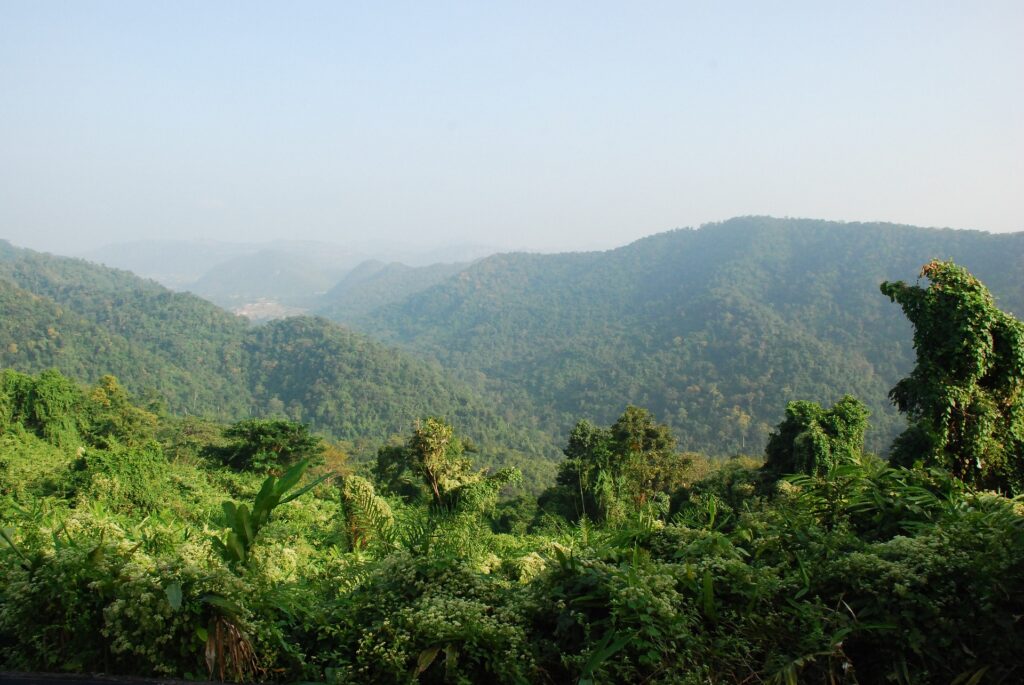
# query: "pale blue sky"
[[546, 125]]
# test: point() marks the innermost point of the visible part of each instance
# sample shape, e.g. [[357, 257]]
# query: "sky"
[[523, 125]]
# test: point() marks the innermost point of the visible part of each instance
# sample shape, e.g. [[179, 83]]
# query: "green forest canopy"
[[712, 330], [135, 542]]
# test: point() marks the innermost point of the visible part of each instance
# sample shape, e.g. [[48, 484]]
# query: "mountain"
[[271, 280], [88, 320], [173, 263], [271, 275], [713, 329], [110, 321], [374, 284]]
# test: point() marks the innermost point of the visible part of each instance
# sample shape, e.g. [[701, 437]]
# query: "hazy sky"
[[546, 125]]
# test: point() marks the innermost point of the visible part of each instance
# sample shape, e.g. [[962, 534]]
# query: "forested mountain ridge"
[[178, 345], [713, 329], [282, 277], [88, 320]]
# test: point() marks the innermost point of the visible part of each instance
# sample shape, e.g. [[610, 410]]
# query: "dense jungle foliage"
[[136, 541]]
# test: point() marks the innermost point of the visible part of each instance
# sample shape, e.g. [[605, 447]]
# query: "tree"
[[393, 474], [651, 463], [437, 456], [50, 405], [115, 419], [267, 444], [586, 477], [434, 461], [965, 397], [608, 471], [813, 440]]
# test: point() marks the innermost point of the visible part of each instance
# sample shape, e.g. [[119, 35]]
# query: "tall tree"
[[433, 464], [647, 449], [965, 397]]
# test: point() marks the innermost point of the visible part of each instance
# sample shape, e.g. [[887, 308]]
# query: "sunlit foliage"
[[125, 550]]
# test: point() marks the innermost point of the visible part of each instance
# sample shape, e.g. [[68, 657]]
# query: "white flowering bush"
[[414, 617], [52, 602]]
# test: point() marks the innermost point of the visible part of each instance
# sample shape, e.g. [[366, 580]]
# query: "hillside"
[[177, 345], [713, 329], [277, 275], [374, 284], [275, 279], [173, 263], [88, 320]]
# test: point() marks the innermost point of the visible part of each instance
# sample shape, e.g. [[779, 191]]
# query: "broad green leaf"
[[609, 645], [451, 660], [220, 602], [243, 525], [173, 592], [307, 488], [291, 477], [235, 546], [708, 592], [426, 658]]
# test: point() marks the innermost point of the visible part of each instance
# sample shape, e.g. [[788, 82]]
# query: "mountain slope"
[[268, 274], [374, 284], [175, 344], [713, 329], [88, 320]]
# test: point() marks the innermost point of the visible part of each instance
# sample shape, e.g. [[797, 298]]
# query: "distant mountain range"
[[293, 275], [713, 329], [88, 320]]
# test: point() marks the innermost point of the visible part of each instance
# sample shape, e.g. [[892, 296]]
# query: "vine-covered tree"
[[814, 440], [965, 397], [50, 405]]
